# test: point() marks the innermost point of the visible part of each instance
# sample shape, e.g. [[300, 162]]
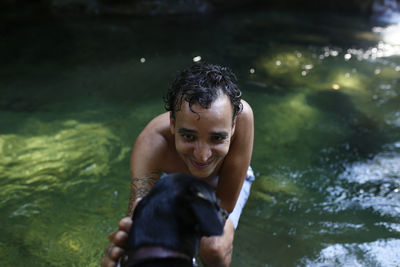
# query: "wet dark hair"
[[202, 84]]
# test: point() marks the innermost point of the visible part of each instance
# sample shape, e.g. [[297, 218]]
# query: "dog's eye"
[[200, 195]]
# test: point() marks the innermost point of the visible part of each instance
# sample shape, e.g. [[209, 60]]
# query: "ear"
[[233, 126], [206, 214], [171, 123]]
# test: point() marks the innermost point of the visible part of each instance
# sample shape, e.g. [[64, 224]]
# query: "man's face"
[[202, 140]]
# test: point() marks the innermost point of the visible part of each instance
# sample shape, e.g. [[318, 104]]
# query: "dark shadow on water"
[[17, 104], [365, 138]]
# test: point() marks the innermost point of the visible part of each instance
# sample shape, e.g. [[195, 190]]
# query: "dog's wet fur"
[[177, 212]]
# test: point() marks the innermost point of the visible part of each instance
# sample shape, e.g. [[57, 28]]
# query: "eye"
[[188, 137], [218, 138]]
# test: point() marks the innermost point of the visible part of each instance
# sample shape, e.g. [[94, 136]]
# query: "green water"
[[75, 94]]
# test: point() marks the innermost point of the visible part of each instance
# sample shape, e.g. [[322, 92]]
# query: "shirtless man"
[[207, 132]]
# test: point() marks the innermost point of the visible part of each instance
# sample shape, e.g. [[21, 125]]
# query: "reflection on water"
[[373, 184], [380, 253], [326, 99], [376, 183], [42, 178]]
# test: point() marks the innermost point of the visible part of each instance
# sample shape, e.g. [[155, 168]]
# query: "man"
[[207, 132]]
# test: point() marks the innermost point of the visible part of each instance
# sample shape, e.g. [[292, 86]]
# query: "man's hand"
[[216, 251], [116, 248]]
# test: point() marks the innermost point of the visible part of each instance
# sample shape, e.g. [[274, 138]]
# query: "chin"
[[201, 173]]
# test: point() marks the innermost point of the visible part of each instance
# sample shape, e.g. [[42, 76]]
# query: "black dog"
[[169, 222]]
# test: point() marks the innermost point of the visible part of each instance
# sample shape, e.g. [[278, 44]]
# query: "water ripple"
[[377, 253]]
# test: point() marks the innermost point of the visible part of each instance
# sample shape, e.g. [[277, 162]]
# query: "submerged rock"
[[178, 7], [140, 7]]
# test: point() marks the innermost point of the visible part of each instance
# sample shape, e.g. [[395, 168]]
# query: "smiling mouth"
[[199, 165]]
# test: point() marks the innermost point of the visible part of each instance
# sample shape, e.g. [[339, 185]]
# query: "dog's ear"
[[206, 213]]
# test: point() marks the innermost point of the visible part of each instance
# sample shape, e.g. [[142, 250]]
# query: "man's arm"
[[217, 250], [140, 187], [147, 153], [145, 164], [236, 163]]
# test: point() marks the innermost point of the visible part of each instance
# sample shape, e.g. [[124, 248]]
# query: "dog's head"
[[202, 209], [176, 213]]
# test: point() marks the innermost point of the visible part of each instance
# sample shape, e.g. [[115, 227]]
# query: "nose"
[[202, 152]]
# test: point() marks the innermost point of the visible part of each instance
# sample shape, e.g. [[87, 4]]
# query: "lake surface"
[[325, 91]]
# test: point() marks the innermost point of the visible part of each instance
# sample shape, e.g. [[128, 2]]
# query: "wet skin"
[[206, 143], [202, 139]]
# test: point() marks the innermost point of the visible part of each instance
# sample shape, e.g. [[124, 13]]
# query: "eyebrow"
[[223, 134], [186, 130]]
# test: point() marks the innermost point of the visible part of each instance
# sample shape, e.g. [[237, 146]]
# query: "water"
[[386, 11], [325, 93]]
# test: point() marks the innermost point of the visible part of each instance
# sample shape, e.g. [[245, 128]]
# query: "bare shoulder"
[[247, 112], [242, 142], [151, 146], [245, 120], [156, 131]]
